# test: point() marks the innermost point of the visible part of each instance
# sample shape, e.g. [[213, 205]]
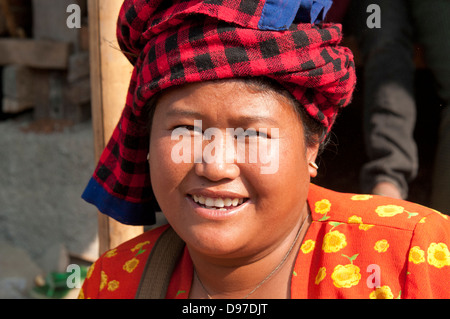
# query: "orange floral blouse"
[[358, 246]]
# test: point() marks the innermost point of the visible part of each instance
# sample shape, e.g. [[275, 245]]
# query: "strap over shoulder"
[[160, 265]]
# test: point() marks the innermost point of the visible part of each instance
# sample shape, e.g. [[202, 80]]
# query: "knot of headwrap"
[[171, 43]]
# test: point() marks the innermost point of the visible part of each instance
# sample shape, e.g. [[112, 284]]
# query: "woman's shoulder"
[[145, 240], [328, 205], [117, 273], [358, 237]]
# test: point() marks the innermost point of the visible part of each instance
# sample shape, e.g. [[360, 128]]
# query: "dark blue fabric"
[[119, 209], [280, 14], [313, 11]]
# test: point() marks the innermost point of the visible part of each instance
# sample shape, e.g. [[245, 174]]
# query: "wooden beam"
[[41, 54], [110, 75]]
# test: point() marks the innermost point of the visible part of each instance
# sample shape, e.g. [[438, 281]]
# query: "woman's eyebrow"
[[249, 119], [239, 120], [183, 113]]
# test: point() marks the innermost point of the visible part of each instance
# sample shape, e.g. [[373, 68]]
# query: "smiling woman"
[[242, 233], [249, 232]]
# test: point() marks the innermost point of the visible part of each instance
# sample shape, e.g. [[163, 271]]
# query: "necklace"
[[274, 271]]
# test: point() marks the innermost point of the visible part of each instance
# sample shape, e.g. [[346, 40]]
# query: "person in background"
[[389, 104], [432, 24]]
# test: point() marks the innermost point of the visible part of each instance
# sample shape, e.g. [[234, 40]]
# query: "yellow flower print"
[[346, 276], [355, 220], [389, 210], [113, 285], [358, 220], [103, 280], [90, 271], [323, 206], [321, 274], [334, 241], [130, 265], [381, 246], [139, 246], [422, 221], [111, 253], [361, 197], [365, 226], [383, 292], [438, 255], [416, 255], [308, 246]]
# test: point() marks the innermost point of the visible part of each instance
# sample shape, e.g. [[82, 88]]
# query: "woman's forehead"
[[226, 96]]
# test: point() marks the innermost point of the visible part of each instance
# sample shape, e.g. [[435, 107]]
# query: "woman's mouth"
[[218, 203]]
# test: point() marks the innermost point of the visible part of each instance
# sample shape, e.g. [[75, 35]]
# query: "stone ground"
[[44, 223]]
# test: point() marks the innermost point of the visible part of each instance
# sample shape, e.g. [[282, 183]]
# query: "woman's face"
[[221, 200]]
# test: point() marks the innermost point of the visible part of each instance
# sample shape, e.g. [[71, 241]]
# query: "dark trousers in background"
[[432, 23], [389, 106]]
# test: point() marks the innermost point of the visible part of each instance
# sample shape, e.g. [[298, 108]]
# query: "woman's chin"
[[215, 242]]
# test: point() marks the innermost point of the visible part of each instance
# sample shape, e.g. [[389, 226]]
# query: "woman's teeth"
[[217, 203]]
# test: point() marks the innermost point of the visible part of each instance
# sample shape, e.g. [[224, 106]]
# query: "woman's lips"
[[217, 208], [217, 202]]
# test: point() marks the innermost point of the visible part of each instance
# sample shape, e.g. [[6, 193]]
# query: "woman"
[[222, 81]]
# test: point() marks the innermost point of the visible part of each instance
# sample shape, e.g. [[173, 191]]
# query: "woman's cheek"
[[163, 170]]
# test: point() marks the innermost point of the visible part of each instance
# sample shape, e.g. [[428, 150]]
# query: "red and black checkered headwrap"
[[183, 41]]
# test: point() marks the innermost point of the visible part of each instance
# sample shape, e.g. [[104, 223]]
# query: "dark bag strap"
[[160, 266]]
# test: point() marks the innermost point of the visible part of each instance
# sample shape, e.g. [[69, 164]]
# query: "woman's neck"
[[269, 272]]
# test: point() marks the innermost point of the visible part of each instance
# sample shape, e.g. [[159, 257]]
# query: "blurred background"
[[47, 143]]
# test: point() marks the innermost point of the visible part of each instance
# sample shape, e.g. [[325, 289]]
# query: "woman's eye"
[[254, 133], [188, 127]]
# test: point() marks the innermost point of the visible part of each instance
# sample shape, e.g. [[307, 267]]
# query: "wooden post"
[[11, 25], [110, 75]]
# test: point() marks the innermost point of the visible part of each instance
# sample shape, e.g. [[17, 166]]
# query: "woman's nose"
[[217, 171], [218, 161]]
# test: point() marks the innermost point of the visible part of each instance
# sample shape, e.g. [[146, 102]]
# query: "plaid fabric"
[[175, 42]]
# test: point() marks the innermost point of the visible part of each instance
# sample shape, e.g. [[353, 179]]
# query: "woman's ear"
[[311, 156]]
